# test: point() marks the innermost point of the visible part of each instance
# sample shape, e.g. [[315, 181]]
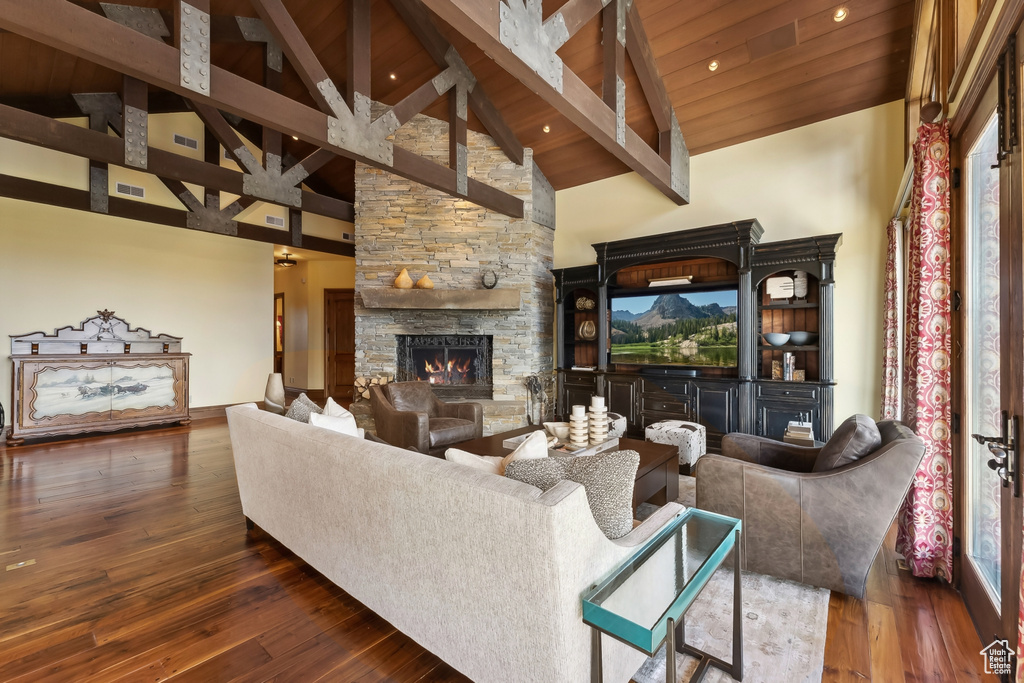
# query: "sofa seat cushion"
[[449, 430], [608, 479], [856, 437]]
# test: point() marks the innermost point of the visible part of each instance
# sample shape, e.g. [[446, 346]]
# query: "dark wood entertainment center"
[[740, 398]]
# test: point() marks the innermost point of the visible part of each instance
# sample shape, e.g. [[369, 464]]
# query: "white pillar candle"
[[579, 411], [597, 402]]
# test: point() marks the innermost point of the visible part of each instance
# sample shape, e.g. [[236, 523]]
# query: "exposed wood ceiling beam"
[[422, 25], [78, 200], [24, 126], [69, 28], [478, 21]]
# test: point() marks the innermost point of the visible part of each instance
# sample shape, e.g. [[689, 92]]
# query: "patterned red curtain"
[[925, 521], [891, 328]]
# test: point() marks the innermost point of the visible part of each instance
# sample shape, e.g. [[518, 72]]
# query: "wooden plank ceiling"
[[782, 64]]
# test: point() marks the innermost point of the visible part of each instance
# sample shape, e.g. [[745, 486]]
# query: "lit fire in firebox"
[[455, 371]]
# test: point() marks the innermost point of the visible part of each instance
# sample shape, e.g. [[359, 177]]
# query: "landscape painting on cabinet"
[[78, 391]]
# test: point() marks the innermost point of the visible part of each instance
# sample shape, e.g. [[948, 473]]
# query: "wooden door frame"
[[988, 625], [284, 346], [327, 350]]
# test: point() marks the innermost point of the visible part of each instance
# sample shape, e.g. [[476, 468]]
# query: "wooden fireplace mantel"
[[449, 299]]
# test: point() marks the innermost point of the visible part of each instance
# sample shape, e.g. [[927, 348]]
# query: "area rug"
[[784, 627]]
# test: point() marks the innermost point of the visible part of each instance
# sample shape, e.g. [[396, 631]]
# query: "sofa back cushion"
[[856, 437], [608, 479], [415, 397]]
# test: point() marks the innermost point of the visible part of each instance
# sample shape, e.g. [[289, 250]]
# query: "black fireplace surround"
[[456, 365]]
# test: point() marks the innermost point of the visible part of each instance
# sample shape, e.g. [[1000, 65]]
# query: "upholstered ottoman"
[[689, 437]]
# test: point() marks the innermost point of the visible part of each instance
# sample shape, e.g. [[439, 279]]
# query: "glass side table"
[[644, 602]]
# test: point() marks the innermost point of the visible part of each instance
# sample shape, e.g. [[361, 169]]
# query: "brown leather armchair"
[[805, 520], [409, 415]]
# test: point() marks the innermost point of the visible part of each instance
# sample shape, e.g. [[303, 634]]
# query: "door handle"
[[1005, 450]]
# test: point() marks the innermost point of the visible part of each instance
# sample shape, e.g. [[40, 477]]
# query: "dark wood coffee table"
[[657, 477]]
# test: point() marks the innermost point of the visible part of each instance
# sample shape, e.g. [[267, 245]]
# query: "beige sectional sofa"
[[485, 572]]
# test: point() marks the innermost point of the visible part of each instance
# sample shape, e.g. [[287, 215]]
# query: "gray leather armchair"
[[409, 415], [809, 514]]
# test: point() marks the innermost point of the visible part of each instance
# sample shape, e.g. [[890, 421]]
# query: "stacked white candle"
[[578, 430], [598, 421]]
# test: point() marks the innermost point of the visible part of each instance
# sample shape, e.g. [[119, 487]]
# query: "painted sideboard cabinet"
[[101, 376], [742, 397]]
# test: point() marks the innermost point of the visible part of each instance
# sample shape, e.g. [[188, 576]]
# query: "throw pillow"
[[334, 409], [608, 479], [342, 425], [855, 438], [533, 447], [301, 408]]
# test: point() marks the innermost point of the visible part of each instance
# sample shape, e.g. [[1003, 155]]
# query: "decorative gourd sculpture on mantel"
[[403, 281]]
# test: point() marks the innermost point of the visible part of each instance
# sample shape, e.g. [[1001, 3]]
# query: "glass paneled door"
[[989, 381], [981, 351]]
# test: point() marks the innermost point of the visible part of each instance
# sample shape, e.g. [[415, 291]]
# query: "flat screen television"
[[681, 328]]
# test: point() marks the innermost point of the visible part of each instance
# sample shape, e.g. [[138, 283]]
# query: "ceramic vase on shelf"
[[579, 433], [598, 420]]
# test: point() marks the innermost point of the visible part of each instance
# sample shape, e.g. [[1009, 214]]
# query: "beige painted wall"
[[839, 175], [60, 266], [303, 286]]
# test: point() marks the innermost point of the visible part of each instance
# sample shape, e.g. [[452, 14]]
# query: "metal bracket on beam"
[[679, 163], [99, 188], [146, 20], [195, 49], [543, 199], [620, 111], [105, 105], [268, 183], [462, 169], [457, 73], [136, 137], [355, 131], [524, 32], [255, 31], [211, 218]]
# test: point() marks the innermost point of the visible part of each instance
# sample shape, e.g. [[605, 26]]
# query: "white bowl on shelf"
[[776, 338]]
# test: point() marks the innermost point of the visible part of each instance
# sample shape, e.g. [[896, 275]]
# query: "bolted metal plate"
[[457, 73], [523, 31], [462, 169], [195, 49], [621, 7], [146, 20], [255, 31], [247, 160], [543, 199], [210, 218], [267, 183], [136, 137], [680, 162], [620, 111], [99, 189], [105, 105], [355, 131]]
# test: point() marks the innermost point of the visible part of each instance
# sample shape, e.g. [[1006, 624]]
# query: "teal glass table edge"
[[669, 628]]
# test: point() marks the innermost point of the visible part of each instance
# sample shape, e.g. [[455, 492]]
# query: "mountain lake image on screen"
[[692, 328]]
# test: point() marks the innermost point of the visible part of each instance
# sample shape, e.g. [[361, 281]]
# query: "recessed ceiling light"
[[546, 129], [713, 65], [295, 137], [840, 14], [393, 76]]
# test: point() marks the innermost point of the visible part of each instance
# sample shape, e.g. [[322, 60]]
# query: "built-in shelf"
[[787, 347], [448, 299], [802, 304]]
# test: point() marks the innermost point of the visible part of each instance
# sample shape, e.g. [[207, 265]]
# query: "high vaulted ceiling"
[[782, 64]]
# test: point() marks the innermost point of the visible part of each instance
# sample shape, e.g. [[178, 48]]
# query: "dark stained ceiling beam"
[[422, 25], [479, 21], [642, 57], [78, 200], [16, 124]]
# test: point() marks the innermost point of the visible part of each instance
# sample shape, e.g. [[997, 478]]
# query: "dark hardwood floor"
[[126, 558]]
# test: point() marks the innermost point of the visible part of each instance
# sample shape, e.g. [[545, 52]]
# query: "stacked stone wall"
[[402, 224]]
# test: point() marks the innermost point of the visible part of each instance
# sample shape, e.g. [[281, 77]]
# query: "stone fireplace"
[[457, 366], [401, 224]]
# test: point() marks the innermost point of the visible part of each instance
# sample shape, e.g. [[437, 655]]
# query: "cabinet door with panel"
[[574, 389], [715, 406], [622, 392], [778, 404]]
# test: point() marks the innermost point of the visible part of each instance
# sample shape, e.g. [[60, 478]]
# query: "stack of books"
[[799, 434]]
